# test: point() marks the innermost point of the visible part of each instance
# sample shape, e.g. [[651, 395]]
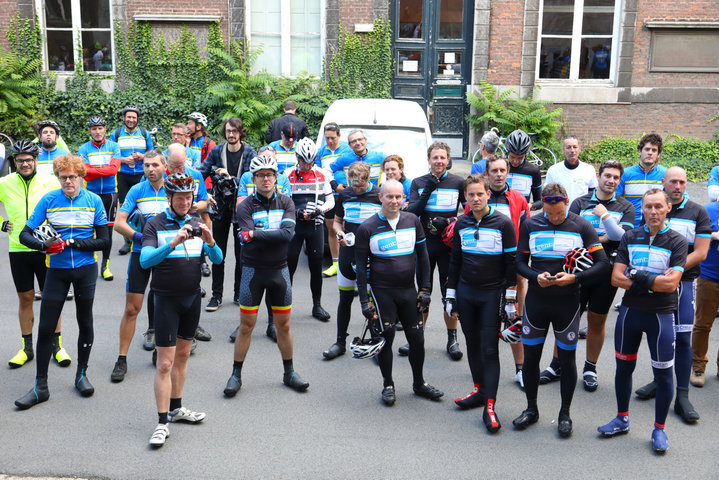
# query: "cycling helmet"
[[448, 232], [263, 162], [577, 260], [199, 118], [24, 146], [306, 150], [47, 123], [367, 347], [130, 108], [96, 121], [44, 232], [136, 220], [179, 182], [518, 142]]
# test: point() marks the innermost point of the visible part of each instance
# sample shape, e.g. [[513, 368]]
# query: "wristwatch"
[[632, 273]]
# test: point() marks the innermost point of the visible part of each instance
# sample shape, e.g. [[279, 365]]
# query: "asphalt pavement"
[[337, 429]]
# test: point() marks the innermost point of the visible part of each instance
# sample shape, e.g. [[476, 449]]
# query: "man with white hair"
[[487, 146]]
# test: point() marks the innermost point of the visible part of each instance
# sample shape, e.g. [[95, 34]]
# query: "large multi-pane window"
[[78, 33], [289, 34], [578, 39]]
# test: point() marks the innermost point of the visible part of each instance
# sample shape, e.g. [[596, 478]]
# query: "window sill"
[[177, 18], [577, 92]]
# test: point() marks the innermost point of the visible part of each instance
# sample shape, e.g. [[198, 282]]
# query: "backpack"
[[119, 129]]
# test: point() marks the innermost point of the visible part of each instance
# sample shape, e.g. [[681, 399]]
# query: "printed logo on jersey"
[[442, 200], [77, 217], [151, 206], [553, 244], [392, 244], [188, 248], [488, 243], [270, 220], [520, 183], [358, 212], [653, 259], [637, 189], [99, 159], [687, 228], [132, 142], [526, 330]]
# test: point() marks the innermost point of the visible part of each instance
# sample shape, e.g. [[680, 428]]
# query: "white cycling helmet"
[[44, 232], [263, 162], [577, 260], [306, 150], [367, 347], [199, 118]]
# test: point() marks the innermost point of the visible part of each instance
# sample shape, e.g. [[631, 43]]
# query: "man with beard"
[[48, 134]]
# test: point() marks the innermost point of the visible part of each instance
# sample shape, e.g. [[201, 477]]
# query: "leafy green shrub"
[[19, 86], [509, 113]]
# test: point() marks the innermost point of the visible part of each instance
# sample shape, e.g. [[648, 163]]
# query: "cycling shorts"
[[137, 277], [632, 323], [256, 281], [599, 296], [109, 201], [685, 309], [330, 214], [176, 317], [397, 304], [561, 311], [346, 275], [125, 181], [58, 281], [25, 268]]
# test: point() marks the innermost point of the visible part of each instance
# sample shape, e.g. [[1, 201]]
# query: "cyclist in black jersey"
[[355, 204], [553, 295], [390, 244], [610, 215], [481, 267], [524, 177], [435, 198], [267, 222], [649, 266], [76, 228], [172, 242]]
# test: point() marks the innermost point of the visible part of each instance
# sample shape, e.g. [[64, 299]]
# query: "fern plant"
[[19, 86], [508, 112]]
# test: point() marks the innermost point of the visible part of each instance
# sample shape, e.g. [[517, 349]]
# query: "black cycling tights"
[[313, 235], [393, 305], [478, 311], [57, 284]]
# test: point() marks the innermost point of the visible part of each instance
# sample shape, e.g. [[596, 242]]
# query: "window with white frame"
[[77, 33], [289, 32], [578, 39]]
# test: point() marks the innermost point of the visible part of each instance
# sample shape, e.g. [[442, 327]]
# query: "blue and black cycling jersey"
[[147, 201], [691, 220], [374, 159], [619, 208], [483, 252], [526, 179], [443, 201], [355, 209], [667, 250], [272, 221], [76, 217], [545, 246], [131, 142], [635, 182], [246, 187]]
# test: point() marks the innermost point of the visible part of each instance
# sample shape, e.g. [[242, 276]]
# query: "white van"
[[391, 127]]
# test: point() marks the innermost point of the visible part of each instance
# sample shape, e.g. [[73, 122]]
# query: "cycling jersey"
[[20, 197], [391, 250], [149, 202], [713, 184], [479, 167], [577, 179], [246, 188], [200, 188], [102, 164], [131, 142], [311, 190], [354, 209], [483, 251], [619, 208], [76, 217], [667, 251], [691, 220], [444, 200], [635, 182], [273, 222], [326, 157], [546, 245], [286, 157], [510, 203], [192, 158], [45, 158], [175, 272], [202, 145], [525, 179], [342, 164], [710, 266]]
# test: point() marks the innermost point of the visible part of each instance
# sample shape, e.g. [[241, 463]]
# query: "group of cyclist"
[[503, 272]]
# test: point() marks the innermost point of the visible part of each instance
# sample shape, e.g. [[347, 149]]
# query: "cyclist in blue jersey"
[[488, 146], [134, 141], [76, 228], [358, 143], [197, 131], [172, 242], [328, 154], [48, 134], [102, 161], [192, 156], [645, 175], [146, 199], [285, 147], [713, 184]]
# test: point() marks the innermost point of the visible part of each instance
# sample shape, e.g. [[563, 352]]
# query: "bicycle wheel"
[[5, 150], [544, 156], [477, 156]]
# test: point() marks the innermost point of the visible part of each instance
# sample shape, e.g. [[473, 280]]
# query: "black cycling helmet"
[[179, 182], [47, 123], [26, 147], [518, 143], [130, 108], [96, 121]]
